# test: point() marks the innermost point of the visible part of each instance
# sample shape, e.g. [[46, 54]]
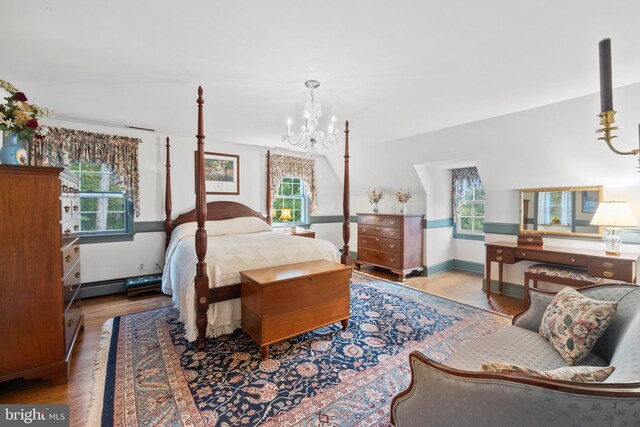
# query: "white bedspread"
[[227, 255]]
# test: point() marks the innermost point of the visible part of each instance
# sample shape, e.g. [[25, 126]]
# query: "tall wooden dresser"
[[394, 242], [39, 271]]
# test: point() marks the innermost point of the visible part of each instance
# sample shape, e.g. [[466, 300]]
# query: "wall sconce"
[[607, 113]]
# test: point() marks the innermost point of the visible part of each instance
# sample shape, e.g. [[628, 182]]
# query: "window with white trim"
[[471, 218], [104, 210], [291, 195]]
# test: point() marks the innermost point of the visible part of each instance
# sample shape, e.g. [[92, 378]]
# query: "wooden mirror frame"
[[597, 188]]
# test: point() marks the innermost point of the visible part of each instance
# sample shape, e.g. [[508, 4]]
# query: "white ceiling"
[[393, 68]]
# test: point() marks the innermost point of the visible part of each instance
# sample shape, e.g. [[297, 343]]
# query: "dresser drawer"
[[69, 208], [70, 285], [379, 231], [382, 258], [609, 268], [72, 324], [553, 257], [70, 228], [387, 221], [70, 255], [69, 188], [502, 254], [380, 243]]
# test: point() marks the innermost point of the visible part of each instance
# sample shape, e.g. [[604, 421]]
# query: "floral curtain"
[[63, 146], [464, 179], [296, 167]]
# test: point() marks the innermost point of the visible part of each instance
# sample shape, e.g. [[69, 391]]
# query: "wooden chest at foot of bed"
[[288, 300]]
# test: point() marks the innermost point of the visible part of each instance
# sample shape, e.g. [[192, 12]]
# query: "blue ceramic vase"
[[14, 149]]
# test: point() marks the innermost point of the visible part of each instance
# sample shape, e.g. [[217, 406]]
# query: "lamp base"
[[612, 241]]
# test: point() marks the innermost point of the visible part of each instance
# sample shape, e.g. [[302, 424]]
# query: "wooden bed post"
[[167, 199], [346, 230], [201, 279], [269, 187]]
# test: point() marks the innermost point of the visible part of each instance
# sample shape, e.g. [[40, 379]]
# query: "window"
[[103, 207], [471, 218], [292, 195], [554, 207], [468, 203]]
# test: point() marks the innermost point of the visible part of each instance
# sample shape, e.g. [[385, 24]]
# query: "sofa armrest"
[[442, 396], [531, 317]]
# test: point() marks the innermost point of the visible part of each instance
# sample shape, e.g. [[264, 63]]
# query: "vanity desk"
[[597, 263]]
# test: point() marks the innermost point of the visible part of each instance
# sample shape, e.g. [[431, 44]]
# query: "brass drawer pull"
[[68, 288], [364, 242], [392, 245], [64, 188], [67, 258], [529, 239], [364, 219], [66, 208], [607, 264], [67, 232], [607, 273], [77, 275], [76, 227], [377, 239], [75, 208], [377, 218], [76, 250], [499, 258], [203, 300], [392, 233], [499, 251], [392, 259], [524, 254], [69, 323], [573, 260], [364, 230], [377, 228], [392, 222]]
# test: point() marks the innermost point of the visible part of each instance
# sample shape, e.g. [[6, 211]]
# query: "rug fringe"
[[99, 375]]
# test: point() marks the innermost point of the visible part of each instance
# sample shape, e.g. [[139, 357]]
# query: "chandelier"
[[308, 138]]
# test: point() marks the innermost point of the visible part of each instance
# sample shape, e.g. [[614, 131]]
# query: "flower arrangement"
[[20, 117], [403, 197], [374, 196]]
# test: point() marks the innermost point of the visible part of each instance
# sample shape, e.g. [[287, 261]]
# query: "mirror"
[[565, 211]]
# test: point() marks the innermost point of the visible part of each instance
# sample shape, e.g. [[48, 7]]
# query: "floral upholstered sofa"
[[456, 393]]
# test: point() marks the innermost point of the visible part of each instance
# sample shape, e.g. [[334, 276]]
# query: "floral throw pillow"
[[581, 374], [573, 323]]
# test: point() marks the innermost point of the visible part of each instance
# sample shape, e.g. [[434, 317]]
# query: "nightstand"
[[306, 233]]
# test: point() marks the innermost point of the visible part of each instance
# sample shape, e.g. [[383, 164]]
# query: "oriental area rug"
[[152, 376]]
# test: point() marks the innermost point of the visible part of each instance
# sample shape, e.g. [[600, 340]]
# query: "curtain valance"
[[295, 167], [62, 146]]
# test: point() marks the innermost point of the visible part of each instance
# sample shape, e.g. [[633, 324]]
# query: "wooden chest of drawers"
[[39, 272], [394, 242]]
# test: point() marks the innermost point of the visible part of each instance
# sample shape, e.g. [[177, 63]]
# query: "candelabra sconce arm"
[[607, 119]]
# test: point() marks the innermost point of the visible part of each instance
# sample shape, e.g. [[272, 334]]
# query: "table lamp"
[[285, 216], [612, 216]]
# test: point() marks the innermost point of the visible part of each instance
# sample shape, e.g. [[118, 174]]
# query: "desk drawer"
[[384, 259], [380, 243], [502, 254], [552, 257], [609, 268], [387, 221], [70, 255], [379, 231]]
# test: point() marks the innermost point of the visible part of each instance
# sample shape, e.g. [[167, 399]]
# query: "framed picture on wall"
[[221, 173], [589, 201]]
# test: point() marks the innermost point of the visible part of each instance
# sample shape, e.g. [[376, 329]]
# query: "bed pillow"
[[225, 226], [573, 323], [581, 374], [242, 225]]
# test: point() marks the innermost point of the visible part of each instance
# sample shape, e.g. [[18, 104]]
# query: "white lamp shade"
[[614, 214]]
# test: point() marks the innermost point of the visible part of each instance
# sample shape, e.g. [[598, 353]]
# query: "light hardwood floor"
[[456, 285]]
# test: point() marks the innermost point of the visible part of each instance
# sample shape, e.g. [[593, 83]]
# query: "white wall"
[[105, 261], [550, 146]]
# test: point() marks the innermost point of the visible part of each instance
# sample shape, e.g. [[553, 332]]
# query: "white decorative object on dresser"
[[39, 272], [391, 241]]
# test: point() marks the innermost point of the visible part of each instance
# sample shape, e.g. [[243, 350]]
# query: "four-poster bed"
[[233, 211]]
